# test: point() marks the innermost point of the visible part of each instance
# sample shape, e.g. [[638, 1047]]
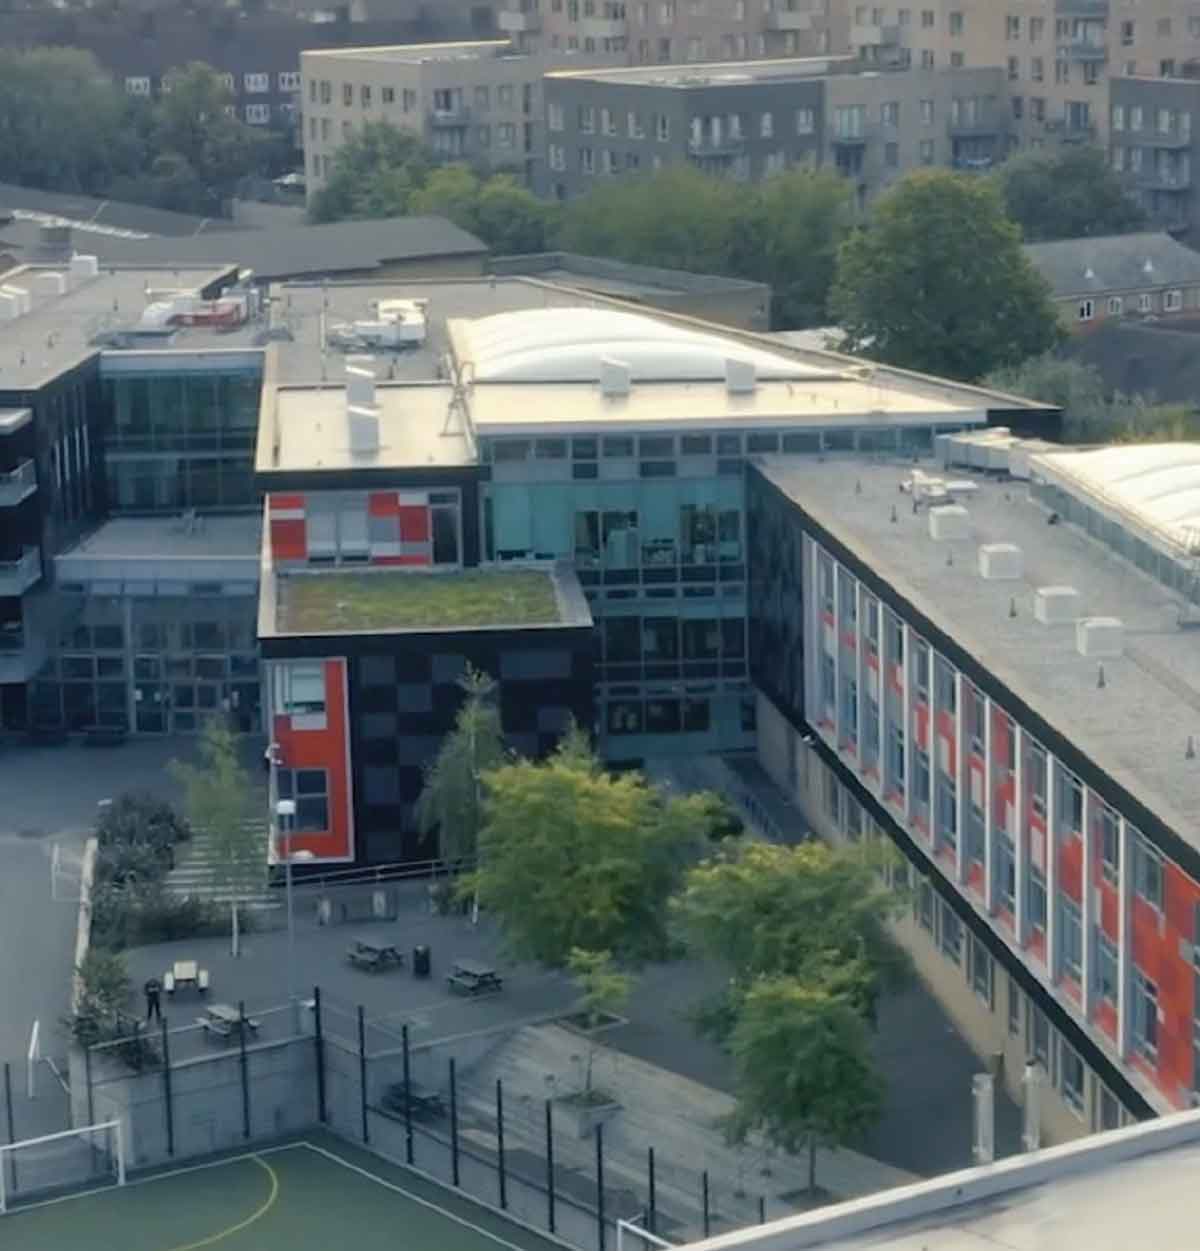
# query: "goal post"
[[87, 1158], [632, 1235]]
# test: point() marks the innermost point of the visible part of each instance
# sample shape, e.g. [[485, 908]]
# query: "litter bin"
[[422, 961]]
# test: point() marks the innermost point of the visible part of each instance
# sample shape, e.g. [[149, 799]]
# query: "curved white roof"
[[1157, 484], [568, 345]]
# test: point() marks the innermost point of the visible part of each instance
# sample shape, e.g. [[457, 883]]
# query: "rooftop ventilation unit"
[[363, 422], [948, 522], [20, 296], [740, 376], [615, 377], [360, 381], [50, 284], [1100, 637], [1000, 562], [10, 306], [83, 267], [1056, 605]]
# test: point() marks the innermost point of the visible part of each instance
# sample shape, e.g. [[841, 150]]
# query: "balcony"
[[1070, 132], [17, 576], [21, 655], [1163, 179], [1172, 138], [602, 27], [874, 36], [1083, 50], [458, 116], [724, 148], [17, 485], [972, 127], [787, 19], [1081, 8], [515, 23]]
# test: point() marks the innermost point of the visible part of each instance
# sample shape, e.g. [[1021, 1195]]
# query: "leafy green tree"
[[1066, 194], [937, 281], [510, 219], [220, 803], [102, 990], [805, 215], [451, 801], [1090, 413], [804, 1071], [570, 856], [375, 173], [603, 989]]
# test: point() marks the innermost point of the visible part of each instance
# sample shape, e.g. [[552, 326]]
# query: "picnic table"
[[185, 973], [222, 1020], [470, 977], [422, 1104], [374, 954]]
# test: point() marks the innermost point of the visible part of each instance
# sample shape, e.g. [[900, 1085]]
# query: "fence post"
[[762, 1209], [319, 1046], [600, 1185], [408, 1134], [704, 1198], [652, 1209], [549, 1169], [87, 1072], [168, 1096], [453, 1124], [12, 1134], [500, 1144], [362, 1071], [244, 1068]]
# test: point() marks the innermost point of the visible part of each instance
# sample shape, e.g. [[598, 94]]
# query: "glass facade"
[[153, 664], [181, 440]]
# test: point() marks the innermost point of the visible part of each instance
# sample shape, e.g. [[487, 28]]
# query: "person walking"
[[153, 991]]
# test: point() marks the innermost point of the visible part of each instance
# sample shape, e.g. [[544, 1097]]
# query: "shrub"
[[146, 912], [140, 819], [104, 991]]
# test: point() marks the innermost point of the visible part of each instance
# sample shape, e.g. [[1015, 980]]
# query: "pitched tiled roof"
[[1114, 263]]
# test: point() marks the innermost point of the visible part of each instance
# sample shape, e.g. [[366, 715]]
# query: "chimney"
[[84, 267]]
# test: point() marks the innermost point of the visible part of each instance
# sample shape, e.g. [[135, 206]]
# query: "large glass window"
[[309, 788], [1145, 1015], [1072, 939], [1148, 873]]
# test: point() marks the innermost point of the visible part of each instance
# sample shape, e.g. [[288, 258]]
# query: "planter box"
[[584, 1117]]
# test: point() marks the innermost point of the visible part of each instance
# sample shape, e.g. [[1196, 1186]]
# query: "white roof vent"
[[1099, 636], [84, 266], [1147, 266], [10, 306], [363, 421], [949, 521], [24, 300], [50, 284], [615, 376], [1056, 605], [1000, 562], [1090, 274], [740, 376], [360, 381]]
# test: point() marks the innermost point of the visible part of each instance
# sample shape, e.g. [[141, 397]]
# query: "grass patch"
[[338, 602]]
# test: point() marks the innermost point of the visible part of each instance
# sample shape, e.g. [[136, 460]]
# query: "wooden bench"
[[219, 1029], [469, 984]]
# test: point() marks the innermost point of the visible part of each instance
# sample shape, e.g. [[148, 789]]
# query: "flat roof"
[[499, 408], [59, 330], [613, 277], [417, 53], [418, 426], [1135, 727], [715, 73], [1118, 1191], [371, 601]]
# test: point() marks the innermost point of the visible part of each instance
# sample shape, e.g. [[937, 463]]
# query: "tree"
[[510, 219], [1090, 414], [451, 798], [603, 991], [375, 172], [805, 216], [804, 1070], [102, 991], [936, 281], [219, 801], [813, 912], [1066, 194], [570, 856]]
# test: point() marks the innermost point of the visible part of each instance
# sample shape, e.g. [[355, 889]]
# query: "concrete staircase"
[[197, 874]]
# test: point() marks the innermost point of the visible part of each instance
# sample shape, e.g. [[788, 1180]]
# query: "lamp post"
[[285, 811]]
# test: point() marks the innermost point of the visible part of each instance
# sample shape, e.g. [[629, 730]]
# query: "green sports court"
[[312, 1195]]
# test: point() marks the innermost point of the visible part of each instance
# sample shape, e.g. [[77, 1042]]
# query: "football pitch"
[[314, 1195]]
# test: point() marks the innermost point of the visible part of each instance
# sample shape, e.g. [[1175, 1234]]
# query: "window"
[[556, 155], [289, 80], [506, 96], [1106, 968], [300, 692], [1037, 1044], [1006, 872], [256, 84], [956, 23], [1012, 28], [258, 114], [1145, 1015], [806, 120], [1135, 117], [506, 135], [1115, 306], [1014, 69], [662, 128], [137, 86], [388, 95], [1072, 939], [982, 971], [926, 109], [1087, 310], [926, 151], [309, 788], [924, 906], [1148, 873], [1070, 1072], [921, 669], [767, 125], [1172, 301], [633, 123], [1145, 302], [587, 120], [1037, 898], [1014, 1008], [1037, 29], [347, 94], [950, 937], [1037, 73], [889, 113], [1108, 843]]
